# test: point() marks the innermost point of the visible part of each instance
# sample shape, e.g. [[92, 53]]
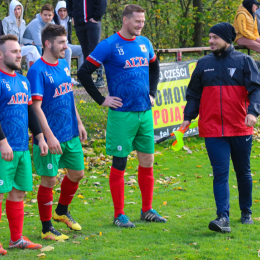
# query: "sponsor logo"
[[247, 139], [48, 203], [231, 71], [136, 62], [49, 166], [50, 77], [25, 85], [67, 71], [120, 49], [63, 89], [7, 84], [119, 148], [143, 48], [209, 70], [19, 98], [1, 182]]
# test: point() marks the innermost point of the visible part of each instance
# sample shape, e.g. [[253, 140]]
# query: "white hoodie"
[[9, 22], [64, 22]]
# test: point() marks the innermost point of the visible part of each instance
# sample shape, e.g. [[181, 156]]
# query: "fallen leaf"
[[33, 200], [86, 238], [235, 187], [199, 166], [195, 243], [255, 181], [164, 203], [42, 255], [166, 230], [131, 202], [76, 242], [80, 197], [47, 249], [100, 233]]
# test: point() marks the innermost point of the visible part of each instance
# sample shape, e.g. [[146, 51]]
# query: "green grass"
[[190, 207]]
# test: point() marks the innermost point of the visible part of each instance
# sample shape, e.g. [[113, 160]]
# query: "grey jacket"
[[258, 19], [10, 25], [33, 32]]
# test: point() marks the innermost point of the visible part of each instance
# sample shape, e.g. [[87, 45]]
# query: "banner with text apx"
[[170, 100]]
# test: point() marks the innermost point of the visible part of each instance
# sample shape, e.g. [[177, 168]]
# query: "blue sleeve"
[[36, 83], [101, 53], [152, 55]]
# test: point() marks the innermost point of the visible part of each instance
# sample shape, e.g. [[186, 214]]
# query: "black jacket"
[[223, 90], [1, 28], [83, 10], [69, 25]]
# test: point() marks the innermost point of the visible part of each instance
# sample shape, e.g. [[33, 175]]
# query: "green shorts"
[[17, 173], [72, 158], [128, 131]]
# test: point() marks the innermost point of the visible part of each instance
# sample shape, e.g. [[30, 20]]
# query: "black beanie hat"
[[225, 31], [248, 4]]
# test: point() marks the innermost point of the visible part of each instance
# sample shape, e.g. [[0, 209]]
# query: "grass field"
[[183, 193]]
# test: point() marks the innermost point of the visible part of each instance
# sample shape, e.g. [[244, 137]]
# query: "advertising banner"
[[170, 100]]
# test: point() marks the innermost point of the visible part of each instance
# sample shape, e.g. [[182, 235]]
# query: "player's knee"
[[1, 197], [16, 195], [146, 160], [48, 182], [119, 163]]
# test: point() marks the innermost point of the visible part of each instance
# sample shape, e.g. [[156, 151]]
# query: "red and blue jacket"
[[223, 90]]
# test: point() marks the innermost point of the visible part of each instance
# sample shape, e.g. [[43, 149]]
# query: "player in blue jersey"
[[54, 105], [16, 114], [132, 72]]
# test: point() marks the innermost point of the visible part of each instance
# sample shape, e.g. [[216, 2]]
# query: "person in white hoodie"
[[15, 24], [61, 18]]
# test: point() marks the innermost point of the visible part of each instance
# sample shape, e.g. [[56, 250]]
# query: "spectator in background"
[[32, 34], [1, 28], [246, 25], [15, 24], [87, 16], [61, 18], [258, 19]]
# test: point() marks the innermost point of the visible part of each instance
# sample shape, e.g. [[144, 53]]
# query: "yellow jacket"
[[245, 25]]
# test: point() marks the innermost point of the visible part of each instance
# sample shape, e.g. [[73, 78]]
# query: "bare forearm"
[[78, 117], [43, 122]]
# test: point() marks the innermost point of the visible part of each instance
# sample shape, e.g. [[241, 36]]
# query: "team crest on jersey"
[[67, 71], [25, 85], [143, 48]]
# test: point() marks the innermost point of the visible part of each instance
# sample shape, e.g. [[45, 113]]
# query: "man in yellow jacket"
[[246, 25]]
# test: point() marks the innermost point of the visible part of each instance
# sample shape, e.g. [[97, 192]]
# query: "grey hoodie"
[[33, 32], [258, 18], [9, 22]]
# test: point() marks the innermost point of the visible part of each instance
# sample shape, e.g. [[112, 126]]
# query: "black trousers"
[[89, 36]]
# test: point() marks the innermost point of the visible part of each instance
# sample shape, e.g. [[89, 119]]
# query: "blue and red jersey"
[[15, 96], [126, 62], [51, 84]]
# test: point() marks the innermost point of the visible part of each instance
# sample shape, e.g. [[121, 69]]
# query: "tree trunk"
[[197, 37]]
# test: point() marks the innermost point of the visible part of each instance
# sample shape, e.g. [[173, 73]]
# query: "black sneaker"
[[100, 83], [123, 221], [246, 218], [220, 224], [152, 215]]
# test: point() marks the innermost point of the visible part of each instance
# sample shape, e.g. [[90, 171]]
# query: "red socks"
[[146, 184], [68, 190], [15, 215], [117, 185], [45, 199]]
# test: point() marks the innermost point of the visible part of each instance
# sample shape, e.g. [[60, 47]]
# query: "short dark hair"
[[129, 9], [51, 31], [7, 37], [47, 7]]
